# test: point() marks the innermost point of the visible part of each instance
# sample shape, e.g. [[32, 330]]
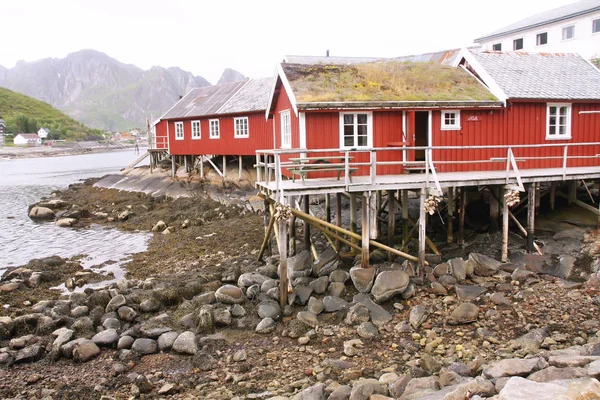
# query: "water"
[[26, 181]]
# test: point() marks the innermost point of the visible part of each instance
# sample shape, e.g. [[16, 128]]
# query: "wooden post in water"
[[327, 207], [494, 209], [552, 195], [504, 257], [391, 221], [530, 216], [306, 210], [461, 221], [422, 229], [572, 191], [365, 230], [450, 224], [283, 275], [353, 216], [338, 218], [404, 217]]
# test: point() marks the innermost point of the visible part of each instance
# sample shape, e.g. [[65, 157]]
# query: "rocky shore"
[[66, 149], [198, 316]]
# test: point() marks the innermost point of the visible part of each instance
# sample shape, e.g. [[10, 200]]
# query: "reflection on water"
[[26, 181]]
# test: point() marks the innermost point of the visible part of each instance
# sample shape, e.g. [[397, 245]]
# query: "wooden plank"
[[450, 223], [504, 256], [365, 230], [338, 218], [283, 275], [391, 221], [530, 216], [422, 229]]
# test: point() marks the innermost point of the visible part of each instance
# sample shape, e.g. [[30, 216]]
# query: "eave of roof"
[[374, 105]]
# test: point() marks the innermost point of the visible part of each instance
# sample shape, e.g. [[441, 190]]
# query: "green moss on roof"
[[383, 81]]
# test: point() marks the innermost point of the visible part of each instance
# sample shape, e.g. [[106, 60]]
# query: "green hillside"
[[25, 114]]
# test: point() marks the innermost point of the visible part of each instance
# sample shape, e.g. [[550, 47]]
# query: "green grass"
[[384, 81], [25, 114]]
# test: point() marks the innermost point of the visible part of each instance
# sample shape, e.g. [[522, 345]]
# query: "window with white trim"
[[356, 130], [450, 120], [541, 39], [596, 25], [241, 127], [518, 44], [215, 131], [497, 47], [286, 129], [568, 32], [178, 130], [196, 130], [558, 121]]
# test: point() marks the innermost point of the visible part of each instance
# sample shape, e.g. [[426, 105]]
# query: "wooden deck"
[[418, 181]]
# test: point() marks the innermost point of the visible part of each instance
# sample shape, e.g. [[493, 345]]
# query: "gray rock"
[[336, 289], [83, 327], [517, 388], [469, 292], [67, 349], [367, 330], [29, 354], [471, 389], [515, 367], [571, 361], [127, 313], [521, 274], [326, 264], [531, 341], [333, 304], [458, 266], [362, 278], [66, 222], [111, 323], [116, 302], [299, 265], [553, 374], [269, 309], [419, 387], [125, 342], [363, 389], [308, 318], [62, 336], [7, 327], [379, 316], [319, 286], [302, 294], [341, 392], [222, 316], [429, 363], [240, 355], [108, 337], [482, 265], [389, 284], [339, 275], [41, 213], [357, 314], [251, 278], [439, 289], [464, 313], [315, 305], [186, 343], [237, 311], [351, 347], [149, 305], [166, 340], [442, 269], [79, 311], [593, 369], [267, 325], [418, 315], [85, 351], [448, 281], [204, 299], [316, 392], [499, 300], [145, 346], [229, 294], [268, 285], [397, 387]]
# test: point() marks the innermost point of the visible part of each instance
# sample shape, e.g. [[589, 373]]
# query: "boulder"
[[66, 222], [552, 374], [418, 315], [482, 265], [108, 337], [229, 294], [333, 304], [85, 350], [316, 392], [269, 309], [299, 265], [267, 325], [464, 313], [518, 388], [468, 292], [145, 346], [116, 302], [166, 340], [186, 343], [326, 264], [7, 326], [362, 278], [515, 367], [389, 284], [41, 213]]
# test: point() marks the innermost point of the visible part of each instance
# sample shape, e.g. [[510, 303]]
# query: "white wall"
[[585, 42], [21, 141]]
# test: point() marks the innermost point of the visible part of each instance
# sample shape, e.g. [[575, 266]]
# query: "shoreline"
[[72, 149]]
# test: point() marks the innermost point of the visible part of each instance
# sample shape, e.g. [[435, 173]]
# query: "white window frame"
[[557, 136], [449, 126], [369, 130], [285, 118], [515, 44], [244, 128], [563, 30], [598, 31], [214, 128], [179, 133], [537, 39], [196, 135], [497, 44]]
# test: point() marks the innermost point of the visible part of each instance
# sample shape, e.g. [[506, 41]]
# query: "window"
[[541, 39], [568, 32], [497, 47], [214, 128], [178, 130], [518, 44], [596, 25], [355, 130], [241, 127], [286, 130], [450, 120], [196, 130], [558, 121]]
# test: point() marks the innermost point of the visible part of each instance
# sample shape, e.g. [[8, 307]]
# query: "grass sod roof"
[[383, 81]]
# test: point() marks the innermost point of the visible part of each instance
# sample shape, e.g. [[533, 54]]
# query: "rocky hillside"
[[230, 75], [100, 91]]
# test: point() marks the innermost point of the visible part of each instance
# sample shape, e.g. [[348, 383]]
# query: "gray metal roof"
[[446, 57], [547, 17], [203, 101], [331, 60], [254, 96], [549, 76]]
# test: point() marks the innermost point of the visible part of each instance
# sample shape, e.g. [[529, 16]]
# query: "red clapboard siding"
[[161, 135], [283, 103]]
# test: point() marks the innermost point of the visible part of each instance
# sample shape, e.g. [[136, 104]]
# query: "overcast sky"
[[249, 36]]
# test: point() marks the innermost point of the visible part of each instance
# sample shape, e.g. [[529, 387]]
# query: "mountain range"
[[102, 92]]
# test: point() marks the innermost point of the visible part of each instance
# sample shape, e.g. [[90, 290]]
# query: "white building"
[[27, 139], [574, 28], [43, 132]]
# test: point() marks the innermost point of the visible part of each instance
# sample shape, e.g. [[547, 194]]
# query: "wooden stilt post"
[[327, 207], [572, 191], [173, 169], [202, 166], [504, 257], [378, 206], [224, 167], [404, 217], [292, 231], [373, 225], [306, 210], [283, 275], [450, 224], [552, 195], [530, 216], [461, 222], [240, 167], [185, 164], [365, 230], [422, 229], [391, 221], [338, 218], [494, 209], [353, 216]]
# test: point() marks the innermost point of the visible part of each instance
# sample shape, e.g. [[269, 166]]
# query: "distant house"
[[27, 139], [574, 28], [43, 132], [2, 127]]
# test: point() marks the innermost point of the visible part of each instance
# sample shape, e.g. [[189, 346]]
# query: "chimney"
[[327, 53]]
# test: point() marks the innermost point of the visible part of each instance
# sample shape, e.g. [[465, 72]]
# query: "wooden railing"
[[271, 164], [158, 142]]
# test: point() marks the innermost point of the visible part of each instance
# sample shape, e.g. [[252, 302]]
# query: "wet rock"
[[125, 342], [482, 265], [333, 304], [108, 337], [186, 343], [389, 284], [362, 278], [267, 325], [145, 346], [357, 314], [41, 213], [85, 351], [229, 294], [7, 327], [166, 340], [367, 330], [515, 367], [469, 292], [66, 222], [379, 316], [418, 315], [127, 313], [148, 306], [464, 313], [29, 354], [115, 303]]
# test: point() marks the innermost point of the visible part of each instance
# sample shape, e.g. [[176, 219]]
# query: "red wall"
[[161, 135], [283, 103], [260, 136]]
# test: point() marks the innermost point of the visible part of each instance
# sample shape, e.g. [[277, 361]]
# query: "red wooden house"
[[225, 120]]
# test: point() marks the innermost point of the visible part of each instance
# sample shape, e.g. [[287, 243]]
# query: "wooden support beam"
[[552, 195], [292, 234], [461, 221], [378, 208], [505, 212], [373, 223], [494, 210], [283, 275], [405, 235], [240, 167], [338, 218], [306, 209], [335, 236], [580, 203], [173, 168], [328, 207], [366, 221], [224, 167], [572, 191], [422, 229], [268, 231], [391, 221], [353, 215], [450, 223], [530, 216]]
